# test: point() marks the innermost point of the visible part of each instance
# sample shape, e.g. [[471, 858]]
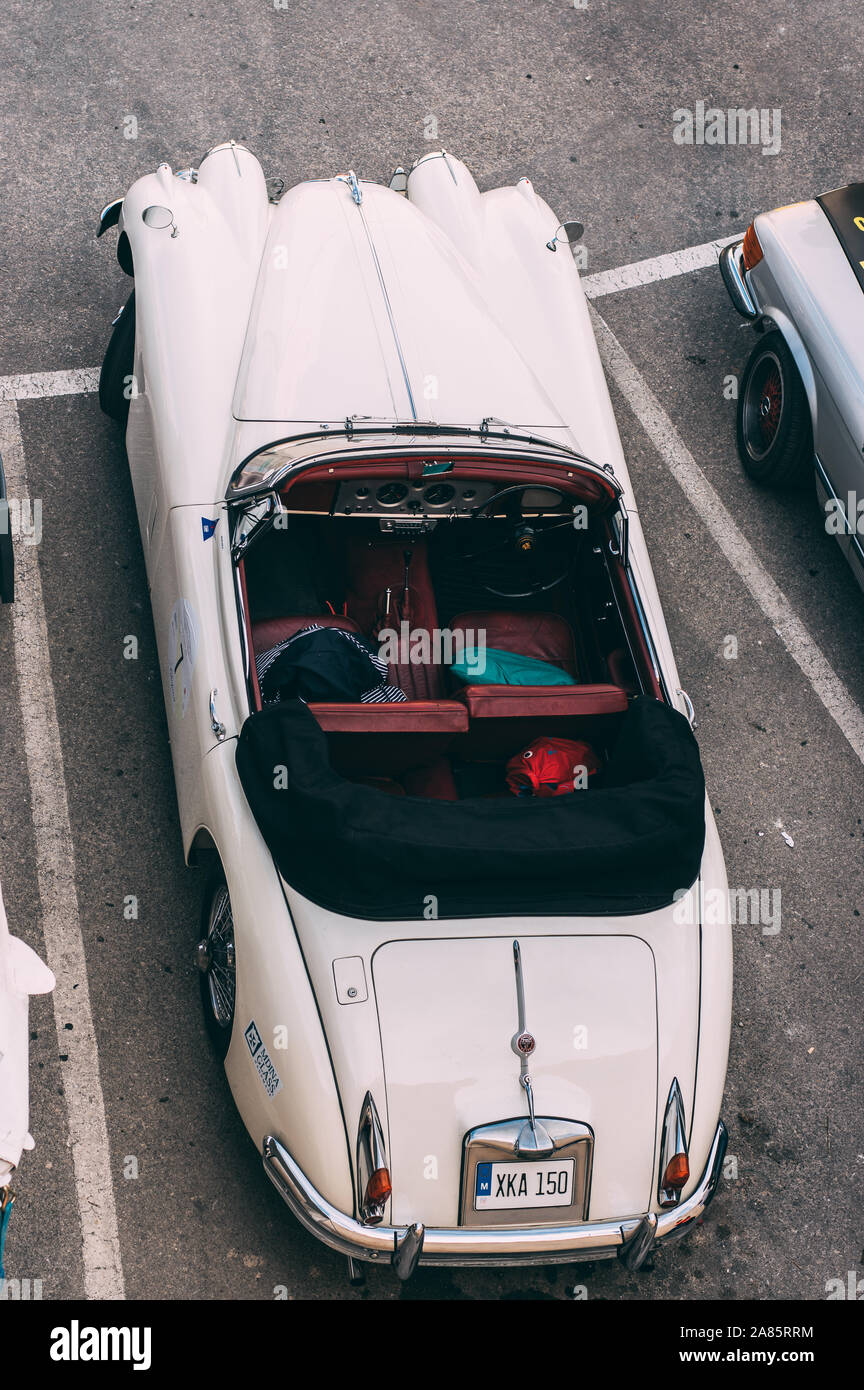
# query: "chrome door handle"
[[691, 713], [216, 724]]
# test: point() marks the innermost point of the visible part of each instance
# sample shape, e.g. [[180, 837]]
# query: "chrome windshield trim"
[[464, 1246], [646, 633], [350, 442]]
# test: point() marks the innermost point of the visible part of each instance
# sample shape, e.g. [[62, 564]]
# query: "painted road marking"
[[706, 502], [29, 388], [630, 277], [61, 924]]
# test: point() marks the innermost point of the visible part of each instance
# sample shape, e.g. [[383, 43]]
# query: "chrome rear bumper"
[[732, 270], [407, 1246]]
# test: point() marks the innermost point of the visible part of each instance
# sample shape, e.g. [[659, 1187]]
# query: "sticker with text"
[[261, 1057]]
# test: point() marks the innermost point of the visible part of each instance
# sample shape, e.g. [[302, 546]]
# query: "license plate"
[[505, 1186]]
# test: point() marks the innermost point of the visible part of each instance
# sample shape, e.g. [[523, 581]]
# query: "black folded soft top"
[[625, 846]]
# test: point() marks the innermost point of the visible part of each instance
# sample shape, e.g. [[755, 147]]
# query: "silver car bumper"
[[732, 270], [407, 1246]]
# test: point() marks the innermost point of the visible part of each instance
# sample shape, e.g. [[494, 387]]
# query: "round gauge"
[[438, 494], [362, 492], [391, 494], [468, 494]]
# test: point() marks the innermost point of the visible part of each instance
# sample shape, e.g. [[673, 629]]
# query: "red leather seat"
[[400, 717], [545, 636], [550, 701], [271, 631]]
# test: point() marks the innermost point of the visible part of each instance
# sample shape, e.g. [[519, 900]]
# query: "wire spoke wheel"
[[216, 958]]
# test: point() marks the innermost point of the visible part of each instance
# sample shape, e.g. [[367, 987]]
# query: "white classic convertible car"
[[469, 1008]]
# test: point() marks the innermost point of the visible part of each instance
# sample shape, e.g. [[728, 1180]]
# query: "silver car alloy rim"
[[220, 960], [764, 400]]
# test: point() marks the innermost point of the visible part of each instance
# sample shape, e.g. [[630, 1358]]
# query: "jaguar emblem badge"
[[525, 1044]]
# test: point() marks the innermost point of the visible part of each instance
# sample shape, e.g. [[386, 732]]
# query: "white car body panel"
[[22, 973], [536, 295], [681, 953], [453, 1000], [253, 322]]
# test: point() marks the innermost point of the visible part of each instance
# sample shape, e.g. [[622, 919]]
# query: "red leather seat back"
[[272, 631], [545, 636], [370, 570], [386, 740], [542, 701], [402, 717]]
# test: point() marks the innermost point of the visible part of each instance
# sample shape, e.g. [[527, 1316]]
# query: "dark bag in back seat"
[[324, 664]]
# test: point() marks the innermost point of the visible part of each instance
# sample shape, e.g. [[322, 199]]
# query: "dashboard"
[[396, 497], [432, 498]]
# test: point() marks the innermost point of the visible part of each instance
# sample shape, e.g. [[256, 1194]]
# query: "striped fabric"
[[380, 694]]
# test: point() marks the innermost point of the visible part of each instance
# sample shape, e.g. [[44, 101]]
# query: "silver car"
[[798, 275]]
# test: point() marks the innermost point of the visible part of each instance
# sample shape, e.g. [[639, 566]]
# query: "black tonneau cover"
[[622, 847]]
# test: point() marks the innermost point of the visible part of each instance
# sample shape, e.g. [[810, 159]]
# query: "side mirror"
[[571, 232]]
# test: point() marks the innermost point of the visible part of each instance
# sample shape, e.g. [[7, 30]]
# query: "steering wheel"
[[537, 571]]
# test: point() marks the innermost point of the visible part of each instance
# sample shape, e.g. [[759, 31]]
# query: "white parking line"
[[55, 869], [733, 543], [28, 388], [630, 277]]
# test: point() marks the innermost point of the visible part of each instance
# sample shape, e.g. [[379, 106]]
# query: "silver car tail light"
[[674, 1159], [373, 1174]]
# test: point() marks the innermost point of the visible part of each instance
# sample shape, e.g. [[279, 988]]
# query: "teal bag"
[[508, 668]]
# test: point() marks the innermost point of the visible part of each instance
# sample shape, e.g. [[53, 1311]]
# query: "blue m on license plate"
[[501, 1186]]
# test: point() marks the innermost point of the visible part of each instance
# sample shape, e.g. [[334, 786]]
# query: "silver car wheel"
[[216, 958], [764, 398]]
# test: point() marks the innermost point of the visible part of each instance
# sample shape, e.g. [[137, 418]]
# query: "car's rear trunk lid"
[[448, 1011]]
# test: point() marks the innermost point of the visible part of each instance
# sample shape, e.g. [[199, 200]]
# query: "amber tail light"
[[751, 251], [676, 1175], [378, 1188]]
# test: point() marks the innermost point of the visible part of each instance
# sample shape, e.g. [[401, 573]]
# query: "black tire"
[[774, 426], [118, 365], [216, 964]]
